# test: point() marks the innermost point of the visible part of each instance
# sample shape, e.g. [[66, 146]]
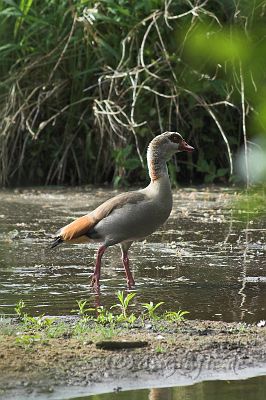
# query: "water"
[[249, 389], [203, 260]]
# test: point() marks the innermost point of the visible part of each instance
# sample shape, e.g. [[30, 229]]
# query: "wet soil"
[[189, 352]]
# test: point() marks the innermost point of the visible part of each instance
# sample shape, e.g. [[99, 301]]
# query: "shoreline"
[[176, 354]]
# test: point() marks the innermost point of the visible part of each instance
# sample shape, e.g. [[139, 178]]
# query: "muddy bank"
[[181, 354]]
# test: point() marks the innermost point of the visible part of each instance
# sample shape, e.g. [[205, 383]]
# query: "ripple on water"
[[202, 260]]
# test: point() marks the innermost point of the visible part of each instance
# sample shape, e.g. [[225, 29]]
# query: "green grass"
[[250, 204]]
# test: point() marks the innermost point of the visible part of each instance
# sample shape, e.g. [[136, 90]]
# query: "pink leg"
[[95, 280], [129, 277]]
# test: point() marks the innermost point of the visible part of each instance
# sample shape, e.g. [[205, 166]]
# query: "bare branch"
[[244, 120]]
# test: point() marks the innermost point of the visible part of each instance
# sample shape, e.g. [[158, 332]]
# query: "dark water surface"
[[249, 389], [203, 260]]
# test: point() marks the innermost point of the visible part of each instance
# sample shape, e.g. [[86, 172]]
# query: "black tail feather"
[[56, 242]]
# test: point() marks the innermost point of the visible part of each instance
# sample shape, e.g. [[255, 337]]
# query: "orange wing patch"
[[77, 228]]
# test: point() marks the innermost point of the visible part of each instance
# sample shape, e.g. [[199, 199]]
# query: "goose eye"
[[175, 138]]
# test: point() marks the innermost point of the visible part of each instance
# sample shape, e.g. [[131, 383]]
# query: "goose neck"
[[156, 164]]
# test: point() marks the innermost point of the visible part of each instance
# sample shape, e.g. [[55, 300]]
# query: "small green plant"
[[82, 310], [36, 323], [80, 328], [58, 330], [41, 322], [104, 316], [31, 323], [106, 332], [159, 349], [19, 309], [28, 340], [129, 318], [105, 323], [151, 308], [124, 302], [175, 316], [240, 328]]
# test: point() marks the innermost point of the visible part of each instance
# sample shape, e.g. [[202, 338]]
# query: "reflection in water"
[[200, 261], [244, 274], [249, 389]]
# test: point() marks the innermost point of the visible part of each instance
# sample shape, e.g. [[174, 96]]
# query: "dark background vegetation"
[[85, 85]]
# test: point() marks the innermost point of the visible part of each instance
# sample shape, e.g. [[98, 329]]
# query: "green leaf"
[[221, 172], [24, 6], [117, 181], [11, 12], [132, 163], [209, 178]]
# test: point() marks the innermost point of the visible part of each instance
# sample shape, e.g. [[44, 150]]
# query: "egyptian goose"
[[129, 216]]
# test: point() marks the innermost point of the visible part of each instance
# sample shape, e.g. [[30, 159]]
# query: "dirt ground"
[[191, 350]]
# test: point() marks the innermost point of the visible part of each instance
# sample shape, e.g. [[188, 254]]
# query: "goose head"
[[164, 146]]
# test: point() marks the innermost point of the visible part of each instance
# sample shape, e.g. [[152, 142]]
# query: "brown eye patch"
[[175, 138]]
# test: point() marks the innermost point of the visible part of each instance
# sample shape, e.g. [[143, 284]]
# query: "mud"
[[181, 354]]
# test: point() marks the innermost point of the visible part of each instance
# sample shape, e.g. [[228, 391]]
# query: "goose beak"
[[185, 147]]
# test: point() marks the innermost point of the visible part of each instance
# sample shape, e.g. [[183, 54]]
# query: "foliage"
[[81, 308], [32, 323], [159, 349], [28, 339], [124, 302], [125, 163], [19, 309], [151, 308], [85, 85], [104, 316], [176, 316], [37, 323], [91, 322]]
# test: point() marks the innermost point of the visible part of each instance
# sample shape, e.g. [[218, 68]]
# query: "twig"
[[194, 11], [64, 49], [159, 113], [205, 105], [43, 124], [155, 15], [244, 121]]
